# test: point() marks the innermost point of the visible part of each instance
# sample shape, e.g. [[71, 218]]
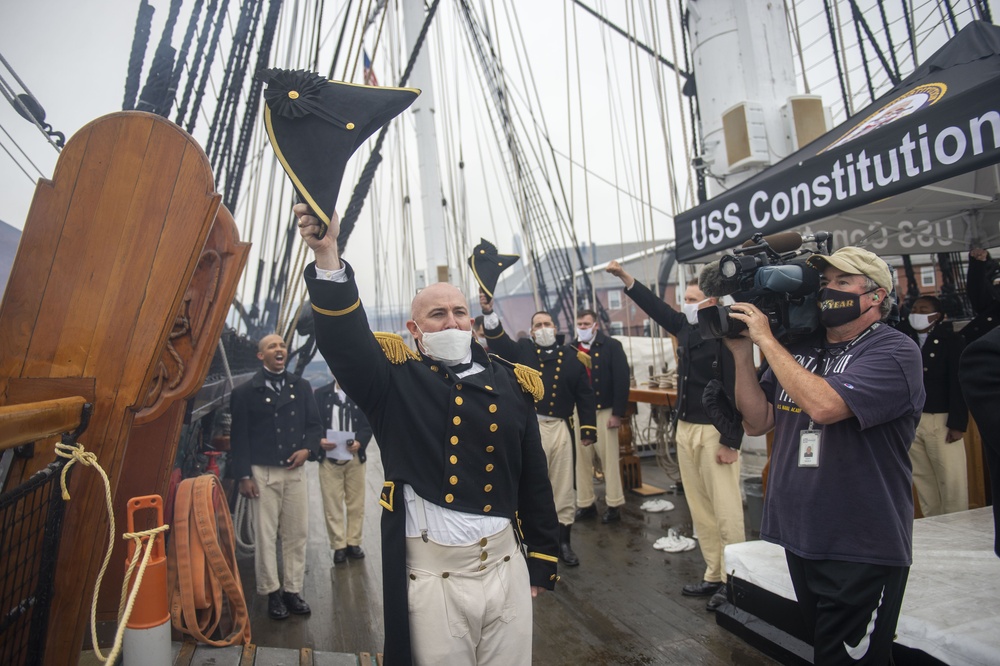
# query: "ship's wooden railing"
[[30, 525], [23, 424]]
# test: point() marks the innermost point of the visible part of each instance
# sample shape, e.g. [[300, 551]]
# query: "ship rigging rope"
[[368, 174], [583, 149], [75, 453]]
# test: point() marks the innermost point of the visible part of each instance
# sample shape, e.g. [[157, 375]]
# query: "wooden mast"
[[121, 284]]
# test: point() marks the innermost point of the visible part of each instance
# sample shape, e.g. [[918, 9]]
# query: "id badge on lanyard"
[[809, 443]]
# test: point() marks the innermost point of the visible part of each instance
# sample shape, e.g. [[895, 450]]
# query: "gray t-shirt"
[[857, 505]]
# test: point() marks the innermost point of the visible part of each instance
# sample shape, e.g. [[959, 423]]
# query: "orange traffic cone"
[[147, 632]]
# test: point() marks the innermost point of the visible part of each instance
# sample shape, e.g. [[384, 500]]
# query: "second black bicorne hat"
[[487, 265], [315, 125]]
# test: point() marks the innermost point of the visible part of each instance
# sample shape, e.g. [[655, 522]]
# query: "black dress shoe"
[[355, 553], [586, 512], [276, 609], [612, 515], [296, 604], [567, 555], [717, 600], [340, 556], [702, 589]]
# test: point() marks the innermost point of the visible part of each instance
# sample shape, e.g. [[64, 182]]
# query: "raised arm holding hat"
[[844, 408], [468, 519]]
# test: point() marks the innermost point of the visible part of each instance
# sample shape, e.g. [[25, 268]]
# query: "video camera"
[[771, 273]]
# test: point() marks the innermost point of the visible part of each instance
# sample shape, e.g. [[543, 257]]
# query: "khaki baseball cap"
[[856, 261]]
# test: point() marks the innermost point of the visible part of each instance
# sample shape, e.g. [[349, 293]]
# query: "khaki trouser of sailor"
[[469, 604], [606, 450], [343, 486], [281, 510], [558, 446], [940, 473], [713, 495]]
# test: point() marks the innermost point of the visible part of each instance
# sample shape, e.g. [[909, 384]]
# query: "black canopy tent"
[[917, 171]]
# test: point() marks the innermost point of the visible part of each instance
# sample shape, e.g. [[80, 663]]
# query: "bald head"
[[272, 351], [438, 307]]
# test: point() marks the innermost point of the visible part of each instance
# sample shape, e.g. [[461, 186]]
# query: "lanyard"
[[837, 351]]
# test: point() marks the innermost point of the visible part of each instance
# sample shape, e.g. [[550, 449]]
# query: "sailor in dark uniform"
[[937, 455], [342, 479], [608, 370], [566, 386], [275, 427], [469, 530]]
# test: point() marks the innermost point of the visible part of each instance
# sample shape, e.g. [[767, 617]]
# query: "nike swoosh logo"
[[857, 652]]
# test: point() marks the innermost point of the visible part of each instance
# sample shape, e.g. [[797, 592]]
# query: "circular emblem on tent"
[[902, 106]]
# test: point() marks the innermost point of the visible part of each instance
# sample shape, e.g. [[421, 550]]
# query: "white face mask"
[[690, 311], [585, 334], [919, 322], [449, 346], [544, 337]]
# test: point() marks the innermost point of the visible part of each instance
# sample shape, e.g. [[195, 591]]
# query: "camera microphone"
[[786, 241], [818, 237], [713, 284]]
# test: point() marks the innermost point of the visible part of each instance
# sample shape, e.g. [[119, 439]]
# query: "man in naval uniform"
[[275, 426], [566, 386], [343, 481], [608, 371], [469, 530]]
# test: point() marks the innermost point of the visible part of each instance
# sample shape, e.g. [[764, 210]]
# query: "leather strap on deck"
[[203, 578]]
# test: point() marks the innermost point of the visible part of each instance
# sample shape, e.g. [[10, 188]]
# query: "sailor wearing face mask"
[[465, 483], [566, 386], [940, 472], [710, 467], [607, 368]]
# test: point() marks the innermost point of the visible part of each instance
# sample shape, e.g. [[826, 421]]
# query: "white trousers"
[[343, 488], [469, 604], [713, 495], [281, 510], [606, 450], [940, 471], [558, 447]]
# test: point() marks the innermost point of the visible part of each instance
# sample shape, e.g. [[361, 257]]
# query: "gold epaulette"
[[529, 378], [395, 349], [584, 358]]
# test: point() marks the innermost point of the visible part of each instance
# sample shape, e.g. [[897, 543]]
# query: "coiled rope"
[[75, 453]]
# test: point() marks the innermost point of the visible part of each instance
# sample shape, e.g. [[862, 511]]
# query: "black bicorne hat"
[[487, 265], [315, 125]]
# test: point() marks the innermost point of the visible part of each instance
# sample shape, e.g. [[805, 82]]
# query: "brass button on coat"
[[488, 508], [483, 555], [489, 449], [493, 427], [457, 420], [453, 480], [488, 487], [449, 498], [489, 468], [454, 460], [454, 439], [458, 400], [493, 409], [482, 542]]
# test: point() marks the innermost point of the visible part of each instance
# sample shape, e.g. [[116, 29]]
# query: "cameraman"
[[844, 515], [710, 470]]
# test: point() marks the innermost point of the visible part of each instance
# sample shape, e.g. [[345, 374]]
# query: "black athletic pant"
[[852, 608]]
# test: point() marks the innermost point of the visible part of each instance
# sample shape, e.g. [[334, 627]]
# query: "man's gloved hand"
[[725, 417]]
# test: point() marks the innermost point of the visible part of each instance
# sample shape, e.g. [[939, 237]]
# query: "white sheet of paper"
[[341, 437]]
